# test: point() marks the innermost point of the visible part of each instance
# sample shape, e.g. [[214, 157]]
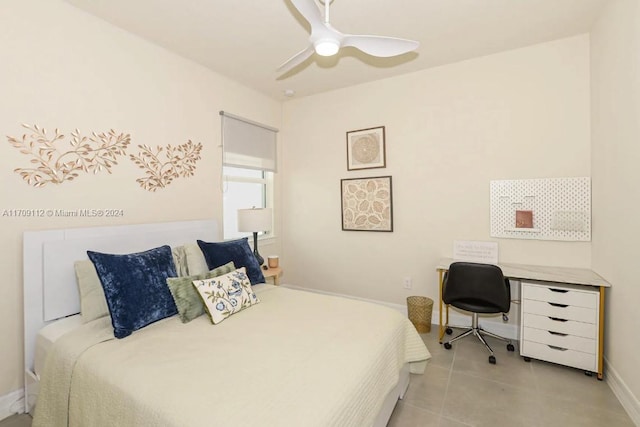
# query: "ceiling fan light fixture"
[[327, 41], [326, 47]]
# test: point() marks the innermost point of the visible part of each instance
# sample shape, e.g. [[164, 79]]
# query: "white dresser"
[[560, 324]]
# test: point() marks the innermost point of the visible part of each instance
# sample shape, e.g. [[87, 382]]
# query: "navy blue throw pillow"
[[238, 251], [135, 286]]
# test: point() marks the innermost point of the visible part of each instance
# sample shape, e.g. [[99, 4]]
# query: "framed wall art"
[[365, 149], [367, 204]]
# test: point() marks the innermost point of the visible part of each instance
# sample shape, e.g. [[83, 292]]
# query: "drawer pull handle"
[[557, 333], [553, 347], [555, 304], [562, 291], [557, 319]]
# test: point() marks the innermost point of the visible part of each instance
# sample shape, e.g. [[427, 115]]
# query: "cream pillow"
[[180, 260], [196, 263], [227, 294], [93, 303]]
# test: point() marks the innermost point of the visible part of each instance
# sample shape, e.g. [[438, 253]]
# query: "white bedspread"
[[295, 359]]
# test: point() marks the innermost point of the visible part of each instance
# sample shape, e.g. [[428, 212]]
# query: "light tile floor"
[[461, 389]]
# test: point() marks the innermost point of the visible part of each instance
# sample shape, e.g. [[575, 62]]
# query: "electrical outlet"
[[407, 283]]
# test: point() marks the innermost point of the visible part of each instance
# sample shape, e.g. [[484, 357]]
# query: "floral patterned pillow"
[[227, 294]]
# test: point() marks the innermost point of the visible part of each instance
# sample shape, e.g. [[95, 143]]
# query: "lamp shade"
[[254, 220]]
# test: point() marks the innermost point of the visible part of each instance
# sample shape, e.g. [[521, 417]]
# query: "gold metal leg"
[[440, 323], [601, 336]]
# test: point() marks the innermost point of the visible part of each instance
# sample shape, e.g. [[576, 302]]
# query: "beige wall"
[[62, 68], [449, 131], [615, 66]]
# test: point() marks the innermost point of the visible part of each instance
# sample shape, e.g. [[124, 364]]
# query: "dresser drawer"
[[557, 339], [571, 327], [574, 358], [561, 294], [559, 311]]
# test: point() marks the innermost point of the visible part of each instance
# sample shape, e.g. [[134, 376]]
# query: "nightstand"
[[273, 273]]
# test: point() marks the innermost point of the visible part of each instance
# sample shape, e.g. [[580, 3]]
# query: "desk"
[[572, 276]]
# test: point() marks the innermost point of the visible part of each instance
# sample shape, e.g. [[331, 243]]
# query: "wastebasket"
[[419, 310]]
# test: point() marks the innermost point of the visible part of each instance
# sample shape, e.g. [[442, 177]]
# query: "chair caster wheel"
[[448, 331], [589, 374], [492, 359], [510, 347], [527, 359], [447, 346]]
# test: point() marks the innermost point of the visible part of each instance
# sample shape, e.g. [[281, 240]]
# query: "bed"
[[295, 358]]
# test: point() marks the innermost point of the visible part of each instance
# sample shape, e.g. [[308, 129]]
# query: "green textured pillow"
[[186, 296]]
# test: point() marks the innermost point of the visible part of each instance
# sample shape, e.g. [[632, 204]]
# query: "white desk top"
[[577, 276]]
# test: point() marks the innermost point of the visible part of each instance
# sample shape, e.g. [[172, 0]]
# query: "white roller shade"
[[248, 144]]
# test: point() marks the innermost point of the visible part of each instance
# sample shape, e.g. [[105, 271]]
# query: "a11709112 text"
[[62, 213]]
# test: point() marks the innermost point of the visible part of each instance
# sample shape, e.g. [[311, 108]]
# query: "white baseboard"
[[11, 403], [503, 329], [629, 402]]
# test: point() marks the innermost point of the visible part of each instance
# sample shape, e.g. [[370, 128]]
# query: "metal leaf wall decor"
[[177, 162], [87, 154], [99, 152]]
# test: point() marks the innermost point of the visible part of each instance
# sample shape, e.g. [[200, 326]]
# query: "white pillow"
[[180, 261], [93, 304], [227, 294], [196, 264]]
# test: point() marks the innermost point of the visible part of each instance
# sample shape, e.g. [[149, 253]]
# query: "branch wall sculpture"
[[87, 154], [178, 161], [99, 152]]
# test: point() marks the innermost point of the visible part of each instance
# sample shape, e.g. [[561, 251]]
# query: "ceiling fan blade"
[[309, 11], [379, 45], [296, 59]]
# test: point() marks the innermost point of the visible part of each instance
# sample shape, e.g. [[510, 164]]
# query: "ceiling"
[[246, 40]]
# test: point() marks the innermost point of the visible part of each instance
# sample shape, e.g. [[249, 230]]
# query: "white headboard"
[[50, 289]]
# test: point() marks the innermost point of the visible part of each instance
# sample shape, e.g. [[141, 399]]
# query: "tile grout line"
[[446, 390]]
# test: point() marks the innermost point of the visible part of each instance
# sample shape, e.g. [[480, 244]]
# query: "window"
[[244, 188], [249, 164]]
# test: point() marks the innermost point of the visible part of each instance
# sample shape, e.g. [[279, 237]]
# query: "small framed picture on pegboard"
[[524, 219]]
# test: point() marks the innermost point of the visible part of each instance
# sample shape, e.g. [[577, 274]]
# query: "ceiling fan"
[[327, 41]]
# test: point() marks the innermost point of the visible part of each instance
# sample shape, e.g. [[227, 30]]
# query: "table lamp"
[[254, 221]]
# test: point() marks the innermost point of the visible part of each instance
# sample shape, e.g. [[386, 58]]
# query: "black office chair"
[[477, 288]]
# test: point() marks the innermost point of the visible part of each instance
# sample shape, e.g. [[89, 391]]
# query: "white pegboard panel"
[[561, 208]]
